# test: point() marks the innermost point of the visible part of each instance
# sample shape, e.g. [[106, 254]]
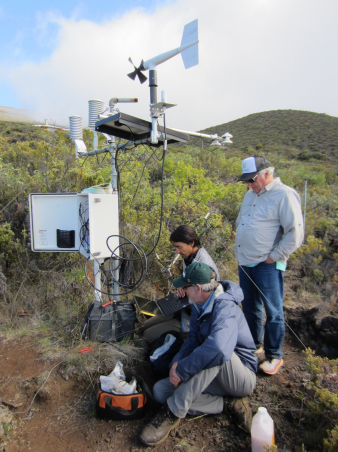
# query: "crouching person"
[[216, 360]]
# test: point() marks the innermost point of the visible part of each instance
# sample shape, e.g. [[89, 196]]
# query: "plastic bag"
[[169, 340], [116, 383]]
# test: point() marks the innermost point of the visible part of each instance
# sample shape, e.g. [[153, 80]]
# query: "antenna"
[[189, 52]]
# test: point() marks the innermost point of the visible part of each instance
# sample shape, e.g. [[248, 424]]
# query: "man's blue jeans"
[[271, 283]]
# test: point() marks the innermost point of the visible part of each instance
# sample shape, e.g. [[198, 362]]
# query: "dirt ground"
[[62, 417]]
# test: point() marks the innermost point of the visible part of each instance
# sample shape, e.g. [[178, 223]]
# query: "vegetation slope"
[[47, 293]]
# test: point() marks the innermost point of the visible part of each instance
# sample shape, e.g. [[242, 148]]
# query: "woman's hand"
[[180, 292]]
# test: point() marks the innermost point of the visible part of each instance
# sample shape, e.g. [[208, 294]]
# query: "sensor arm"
[[153, 62], [199, 135]]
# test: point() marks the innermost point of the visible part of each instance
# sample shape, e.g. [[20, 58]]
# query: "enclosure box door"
[[68, 222]]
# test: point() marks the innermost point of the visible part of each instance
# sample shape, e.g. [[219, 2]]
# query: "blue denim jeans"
[[271, 282]]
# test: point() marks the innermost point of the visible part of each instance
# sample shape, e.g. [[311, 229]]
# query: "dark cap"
[[195, 273], [252, 165]]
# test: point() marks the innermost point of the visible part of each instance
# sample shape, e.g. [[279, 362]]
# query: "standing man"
[[216, 360], [269, 228]]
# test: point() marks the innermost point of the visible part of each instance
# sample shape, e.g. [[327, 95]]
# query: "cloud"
[[255, 55]]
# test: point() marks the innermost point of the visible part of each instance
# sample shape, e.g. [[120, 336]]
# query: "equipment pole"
[[153, 100], [305, 196], [114, 186]]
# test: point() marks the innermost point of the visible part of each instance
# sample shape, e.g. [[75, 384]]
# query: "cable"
[[84, 228], [136, 190], [84, 162], [37, 392], [142, 258], [162, 186], [103, 159], [141, 255], [114, 256], [13, 199]]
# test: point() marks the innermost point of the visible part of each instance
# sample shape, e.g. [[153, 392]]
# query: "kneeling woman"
[[188, 245]]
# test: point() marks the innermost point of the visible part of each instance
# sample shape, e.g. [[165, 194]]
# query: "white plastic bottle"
[[262, 430]]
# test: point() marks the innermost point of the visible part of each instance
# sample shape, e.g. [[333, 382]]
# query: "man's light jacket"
[[269, 223]]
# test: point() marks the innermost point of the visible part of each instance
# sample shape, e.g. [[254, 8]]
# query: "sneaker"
[[158, 430], [241, 412], [271, 366], [259, 350]]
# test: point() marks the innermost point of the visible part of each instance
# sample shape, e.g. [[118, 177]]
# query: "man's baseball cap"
[[195, 273], [252, 165]]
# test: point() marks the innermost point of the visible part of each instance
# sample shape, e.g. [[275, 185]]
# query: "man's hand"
[[269, 261], [180, 292], [173, 377]]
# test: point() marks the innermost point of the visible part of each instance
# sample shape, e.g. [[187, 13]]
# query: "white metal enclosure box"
[[68, 222]]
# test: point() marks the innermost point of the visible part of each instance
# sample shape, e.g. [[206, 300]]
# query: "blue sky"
[[28, 31], [255, 55]]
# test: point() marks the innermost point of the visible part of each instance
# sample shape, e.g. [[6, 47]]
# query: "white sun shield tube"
[[76, 134], [95, 108], [75, 127]]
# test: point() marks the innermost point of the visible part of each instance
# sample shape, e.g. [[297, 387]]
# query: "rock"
[[274, 389], [12, 448], [5, 419], [44, 394], [291, 415], [281, 379], [5, 415], [320, 332], [225, 424]]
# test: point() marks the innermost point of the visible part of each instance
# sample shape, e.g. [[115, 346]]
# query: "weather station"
[[88, 222]]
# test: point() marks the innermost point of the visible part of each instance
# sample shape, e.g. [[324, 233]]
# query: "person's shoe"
[[271, 366], [158, 430], [241, 412], [259, 350]]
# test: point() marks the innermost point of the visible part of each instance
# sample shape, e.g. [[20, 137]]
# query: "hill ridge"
[[303, 130]]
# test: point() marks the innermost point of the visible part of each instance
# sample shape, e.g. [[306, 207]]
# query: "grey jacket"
[[269, 223], [204, 257]]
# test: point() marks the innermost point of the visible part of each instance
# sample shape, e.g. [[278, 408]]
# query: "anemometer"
[[88, 222]]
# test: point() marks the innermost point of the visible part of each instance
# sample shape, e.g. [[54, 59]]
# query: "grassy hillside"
[[301, 130], [47, 294], [14, 114]]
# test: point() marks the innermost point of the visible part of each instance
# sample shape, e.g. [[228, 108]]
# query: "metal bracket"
[[159, 109]]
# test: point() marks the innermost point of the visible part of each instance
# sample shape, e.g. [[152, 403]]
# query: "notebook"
[[165, 306]]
